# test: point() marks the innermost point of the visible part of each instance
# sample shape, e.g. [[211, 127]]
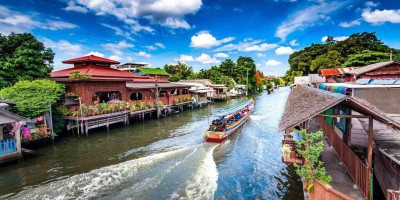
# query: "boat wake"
[[168, 175]]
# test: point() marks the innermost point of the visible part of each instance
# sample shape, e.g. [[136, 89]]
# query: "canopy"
[[234, 109]]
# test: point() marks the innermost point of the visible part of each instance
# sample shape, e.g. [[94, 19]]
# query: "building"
[[201, 92], [93, 80], [381, 70], [10, 134], [156, 73], [221, 90], [130, 67], [343, 118]]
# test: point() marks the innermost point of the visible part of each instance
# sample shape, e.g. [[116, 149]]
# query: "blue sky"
[[201, 33]]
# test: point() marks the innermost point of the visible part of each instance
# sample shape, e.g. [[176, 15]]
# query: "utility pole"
[[247, 81]]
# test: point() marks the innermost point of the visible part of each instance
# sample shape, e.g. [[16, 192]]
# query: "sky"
[[201, 33]]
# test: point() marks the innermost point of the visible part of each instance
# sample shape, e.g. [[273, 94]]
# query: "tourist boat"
[[228, 122]]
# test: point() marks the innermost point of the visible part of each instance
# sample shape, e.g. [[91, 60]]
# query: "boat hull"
[[219, 137]]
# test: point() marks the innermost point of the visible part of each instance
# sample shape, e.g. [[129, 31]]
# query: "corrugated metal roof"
[[155, 71], [90, 58], [363, 81], [336, 71], [383, 81], [153, 85], [369, 68]]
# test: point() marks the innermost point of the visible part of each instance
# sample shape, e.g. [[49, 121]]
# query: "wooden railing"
[[392, 195], [322, 191], [8, 146], [357, 169]]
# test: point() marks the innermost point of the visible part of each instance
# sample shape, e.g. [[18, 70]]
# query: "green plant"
[[64, 110], [85, 110], [78, 75], [141, 105], [311, 150]]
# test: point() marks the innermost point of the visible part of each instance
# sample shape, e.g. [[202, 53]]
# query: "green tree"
[[331, 60], [33, 97], [23, 57], [367, 57], [179, 71]]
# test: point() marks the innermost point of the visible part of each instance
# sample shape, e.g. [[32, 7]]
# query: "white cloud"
[[259, 47], [119, 31], [206, 59], [221, 55], [284, 50], [18, 22], [378, 17], [95, 53], [156, 10], [63, 46], [151, 48], [260, 55], [272, 63], [160, 45], [143, 54], [307, 17], [185, 58], [293, 43], [371, 4], [350, 24], [118, 47], [203, 58], [247, 45], [339, 38], [206, 40], [114, 57], [135, 26], [175, 23], [72, 7]]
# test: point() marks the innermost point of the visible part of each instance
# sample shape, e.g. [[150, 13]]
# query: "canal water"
[[163, 159]]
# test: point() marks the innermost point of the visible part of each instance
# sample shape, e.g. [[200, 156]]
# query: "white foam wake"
[[180, 174]]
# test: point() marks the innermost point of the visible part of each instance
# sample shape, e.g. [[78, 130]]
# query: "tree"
[[330, 60], [179, 71], [367, 57], [22, 57], [33, 97]]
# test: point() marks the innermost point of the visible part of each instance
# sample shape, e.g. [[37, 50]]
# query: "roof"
[[336, 71], [9, 117], [136, 86], [358, 86], [8, 102], [153, 71], [305, 103], [96, 72], [91, 58], [368, 68]]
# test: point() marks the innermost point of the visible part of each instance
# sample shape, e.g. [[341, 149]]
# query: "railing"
[[392, 195], [355, 167], [322, 191], [7, 147]]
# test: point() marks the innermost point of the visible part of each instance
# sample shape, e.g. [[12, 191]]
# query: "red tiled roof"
[[150, 80], [336, 71], [95, 72], [90, 58]]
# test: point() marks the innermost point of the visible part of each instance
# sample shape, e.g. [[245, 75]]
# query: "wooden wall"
[[387, 172]]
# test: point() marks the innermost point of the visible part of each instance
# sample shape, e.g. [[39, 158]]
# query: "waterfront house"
[[221, 90], [156, 73], [200, 91], [381, 70], [237, 90], [337, 114], [130, 67], [10, 134]]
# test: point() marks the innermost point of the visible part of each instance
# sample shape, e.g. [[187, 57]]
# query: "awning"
[[153, 85], [234, 109]]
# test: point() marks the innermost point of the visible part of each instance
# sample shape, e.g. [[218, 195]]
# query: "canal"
[[163, 159]]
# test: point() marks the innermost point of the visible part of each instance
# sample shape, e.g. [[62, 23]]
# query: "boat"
[[228, 122]]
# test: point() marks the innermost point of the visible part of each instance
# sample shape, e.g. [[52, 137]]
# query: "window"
[[106, 96], [174, 92], [185, 91], [162, 94], [136, 96]]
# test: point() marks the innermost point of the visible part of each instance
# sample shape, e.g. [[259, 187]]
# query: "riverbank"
[[248, 165]]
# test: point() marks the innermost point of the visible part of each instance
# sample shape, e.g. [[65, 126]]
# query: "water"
[[163, 159]]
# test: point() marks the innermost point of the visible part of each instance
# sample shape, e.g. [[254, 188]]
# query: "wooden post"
[[370, 137], [18, 138], [157, 100]]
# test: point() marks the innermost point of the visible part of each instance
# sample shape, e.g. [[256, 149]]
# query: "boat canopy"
[[234, 109]]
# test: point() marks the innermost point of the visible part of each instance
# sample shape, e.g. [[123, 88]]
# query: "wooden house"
[[336, 114], [10, 134]]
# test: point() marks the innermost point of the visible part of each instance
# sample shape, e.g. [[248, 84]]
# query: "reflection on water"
[[163, 159]]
